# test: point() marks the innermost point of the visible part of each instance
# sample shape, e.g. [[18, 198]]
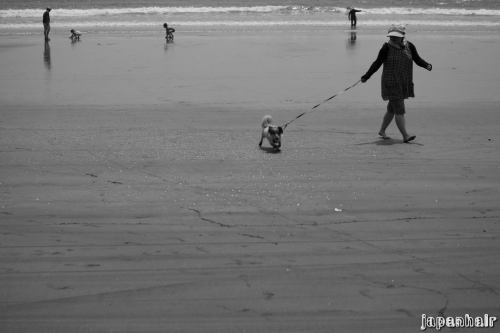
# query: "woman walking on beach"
[[46, 24], [397, 56]]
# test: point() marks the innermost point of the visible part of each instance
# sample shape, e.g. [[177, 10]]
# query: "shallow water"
[[109, 16]]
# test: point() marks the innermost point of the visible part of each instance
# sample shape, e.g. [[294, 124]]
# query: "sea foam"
[[62, 12]]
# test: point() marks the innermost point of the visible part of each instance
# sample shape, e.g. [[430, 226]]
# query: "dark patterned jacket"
[[397, 75]]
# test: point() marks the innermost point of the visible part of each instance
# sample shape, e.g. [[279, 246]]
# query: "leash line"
[[326, 100]]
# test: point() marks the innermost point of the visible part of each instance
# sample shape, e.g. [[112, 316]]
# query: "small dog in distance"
[[271, 132]]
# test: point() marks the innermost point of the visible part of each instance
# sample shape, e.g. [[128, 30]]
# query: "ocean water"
[[24, 17]]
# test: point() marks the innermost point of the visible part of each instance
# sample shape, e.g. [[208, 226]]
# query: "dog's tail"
[[266, 121]]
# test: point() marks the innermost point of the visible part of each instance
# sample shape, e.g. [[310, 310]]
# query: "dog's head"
[[275, 133]]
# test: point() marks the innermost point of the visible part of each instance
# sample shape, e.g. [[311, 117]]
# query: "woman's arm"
[[382, 55], [419, 61]]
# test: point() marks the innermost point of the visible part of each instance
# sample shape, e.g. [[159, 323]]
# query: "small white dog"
[[271, 132]]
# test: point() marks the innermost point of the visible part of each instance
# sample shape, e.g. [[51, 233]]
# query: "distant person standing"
[[46, 23], [397, 55], [352, 15]]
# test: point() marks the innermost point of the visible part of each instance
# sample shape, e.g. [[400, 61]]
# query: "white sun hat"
[[396, 31]]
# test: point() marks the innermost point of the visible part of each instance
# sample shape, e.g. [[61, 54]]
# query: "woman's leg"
[[399, 110], [401, 123], [389, 115]]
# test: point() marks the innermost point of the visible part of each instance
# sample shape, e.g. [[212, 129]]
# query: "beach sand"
[[134, 197]]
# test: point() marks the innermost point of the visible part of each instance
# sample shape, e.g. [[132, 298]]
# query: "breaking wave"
[[62, 12]]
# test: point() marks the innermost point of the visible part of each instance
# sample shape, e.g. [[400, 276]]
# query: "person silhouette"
[[352, 15], [169, 33], [46, 23], [75, 35]]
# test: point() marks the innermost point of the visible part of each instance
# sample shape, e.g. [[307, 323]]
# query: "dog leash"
[[326, 100]]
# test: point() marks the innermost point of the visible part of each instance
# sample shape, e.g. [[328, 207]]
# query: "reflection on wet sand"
[[46, 56], [74, 41], [351, 38]]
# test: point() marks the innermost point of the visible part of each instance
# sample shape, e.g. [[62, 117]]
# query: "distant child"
[[169, 33], [75, 35]]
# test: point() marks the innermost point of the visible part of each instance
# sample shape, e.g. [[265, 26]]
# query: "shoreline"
[[155, 29]]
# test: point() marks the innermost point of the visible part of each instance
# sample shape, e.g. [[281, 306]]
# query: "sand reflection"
[[46, 56], [351, 38]]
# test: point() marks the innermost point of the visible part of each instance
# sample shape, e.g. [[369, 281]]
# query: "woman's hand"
[[429, 67]]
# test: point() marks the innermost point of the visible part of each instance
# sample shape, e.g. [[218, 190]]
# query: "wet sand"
[[134, 197]]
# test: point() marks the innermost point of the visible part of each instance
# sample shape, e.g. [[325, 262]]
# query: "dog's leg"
[[261, 139]]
